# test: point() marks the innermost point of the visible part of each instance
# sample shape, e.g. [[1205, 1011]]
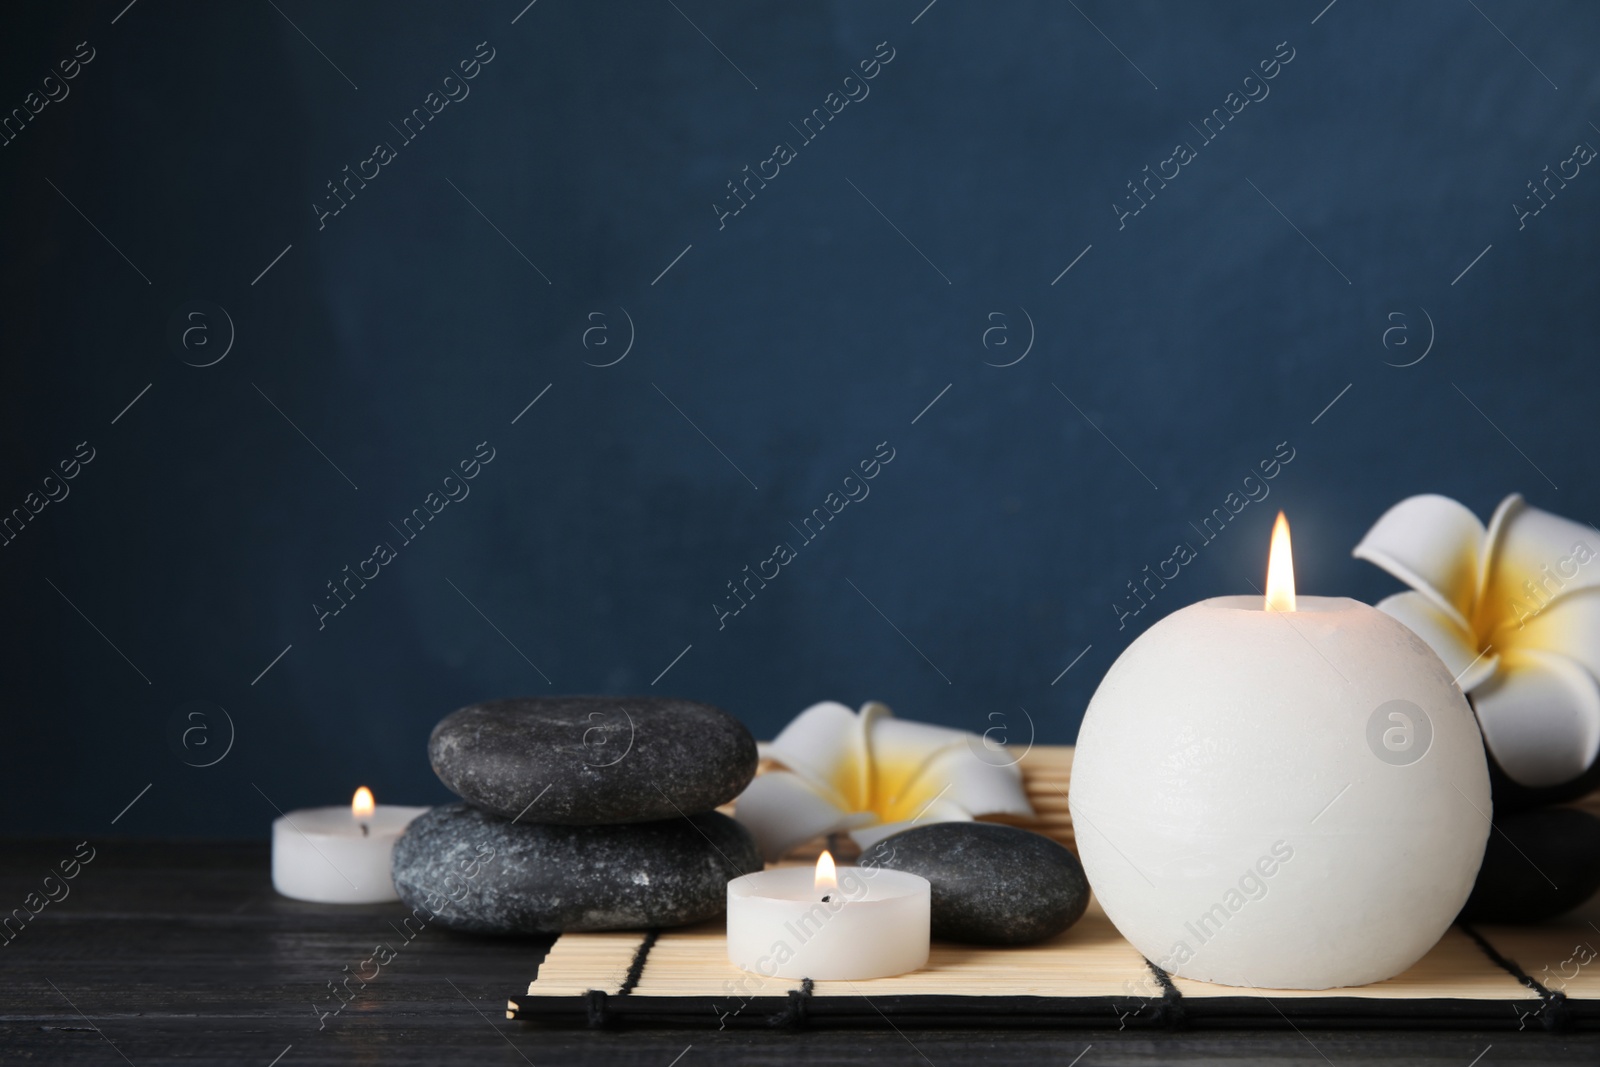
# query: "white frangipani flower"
[[872, 775], [1514, 611]]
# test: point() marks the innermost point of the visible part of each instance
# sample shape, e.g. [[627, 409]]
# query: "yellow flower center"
[[893, 789]]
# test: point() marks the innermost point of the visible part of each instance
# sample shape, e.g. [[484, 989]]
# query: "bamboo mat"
[[1545, 977]]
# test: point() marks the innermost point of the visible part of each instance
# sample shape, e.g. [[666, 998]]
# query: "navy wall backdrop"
[[945, 273]]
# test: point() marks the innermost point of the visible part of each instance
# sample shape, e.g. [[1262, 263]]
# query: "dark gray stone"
[[587, 761], [1537, 865], [992, 884], [485, 874]]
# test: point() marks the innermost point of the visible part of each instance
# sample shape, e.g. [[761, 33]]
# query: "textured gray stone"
[[992, 884], [588, 761], [485, 874]]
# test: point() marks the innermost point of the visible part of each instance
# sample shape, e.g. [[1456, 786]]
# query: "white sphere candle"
[[339, 855], [1292, 797], [849, 923]]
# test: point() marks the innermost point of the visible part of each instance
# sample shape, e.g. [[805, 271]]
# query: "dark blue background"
[[797, 338]]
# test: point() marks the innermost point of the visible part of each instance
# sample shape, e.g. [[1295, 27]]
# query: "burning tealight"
[[339, 855], [1280, 791], [828, 923]]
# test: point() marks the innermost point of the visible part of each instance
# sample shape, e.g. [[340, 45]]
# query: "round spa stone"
[[588, 760], [1541, 863], [992, 884], [484, 874]]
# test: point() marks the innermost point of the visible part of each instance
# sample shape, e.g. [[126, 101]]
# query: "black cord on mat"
[[1170, 1013], [1553, 1012], [636, 968], [793, 1016], [596, 1000]]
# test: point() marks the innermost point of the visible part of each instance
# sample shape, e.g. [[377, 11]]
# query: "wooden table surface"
[[182, 953]]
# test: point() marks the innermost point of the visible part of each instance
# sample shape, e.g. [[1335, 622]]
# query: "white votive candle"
[[339, 855], [792, 923], [1290, 796]]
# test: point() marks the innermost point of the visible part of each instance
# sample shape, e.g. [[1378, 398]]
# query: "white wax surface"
[[874, 925], [321, 855], [1242, 817]]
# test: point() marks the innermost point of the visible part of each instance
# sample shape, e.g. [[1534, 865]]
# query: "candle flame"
[[361, 804], [1280, 568], [827, 876]]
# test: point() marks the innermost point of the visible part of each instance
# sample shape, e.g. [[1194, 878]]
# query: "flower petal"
[[1569, 626], [781, 810], [964, 777], [1540, 716], [900, 752], [1445, 636], [1431, 543], [941, 811], [1532, 557], [826, 744]]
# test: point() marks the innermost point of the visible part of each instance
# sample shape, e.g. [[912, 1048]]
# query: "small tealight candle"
[[1280, 791], [339, 855], [830, 923]]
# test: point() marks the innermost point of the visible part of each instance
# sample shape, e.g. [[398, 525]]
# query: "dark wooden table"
[[182, 953]]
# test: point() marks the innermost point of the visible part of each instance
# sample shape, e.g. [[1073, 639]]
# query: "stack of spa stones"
[[580, 813]]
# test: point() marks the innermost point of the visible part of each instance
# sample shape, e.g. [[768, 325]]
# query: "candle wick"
[[364, 831]]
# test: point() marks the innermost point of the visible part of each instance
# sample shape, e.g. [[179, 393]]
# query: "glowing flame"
[[361, 804], [827, 877], [1280, 568]]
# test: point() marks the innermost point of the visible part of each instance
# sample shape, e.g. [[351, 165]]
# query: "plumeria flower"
[[872, 775], [1514, 612]]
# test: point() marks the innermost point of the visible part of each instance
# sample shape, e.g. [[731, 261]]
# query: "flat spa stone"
[[992, 884], [593, 760], [485, 874], [1541, 863]]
